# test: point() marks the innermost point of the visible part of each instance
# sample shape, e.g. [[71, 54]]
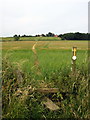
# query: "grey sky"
[[32, 17]]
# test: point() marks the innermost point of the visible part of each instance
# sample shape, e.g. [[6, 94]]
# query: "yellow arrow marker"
[[74, 51]]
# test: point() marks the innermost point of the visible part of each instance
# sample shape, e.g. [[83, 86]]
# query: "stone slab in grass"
[[50, 105]]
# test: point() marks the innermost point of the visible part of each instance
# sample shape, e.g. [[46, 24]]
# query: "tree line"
[[66, 36], [75, 36]]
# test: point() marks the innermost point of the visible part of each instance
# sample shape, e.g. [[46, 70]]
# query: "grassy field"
[[31, 39], [51, 55], [50, 68], [21, 45]]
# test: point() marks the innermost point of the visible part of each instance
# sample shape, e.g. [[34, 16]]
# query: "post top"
[[74, 49]]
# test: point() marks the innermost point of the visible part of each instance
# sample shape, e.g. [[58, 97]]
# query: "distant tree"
[[74, 36], [60, 35], [88, 36], [43, 35], [16, 37], [50, 34], [24, 36], [37, 35]]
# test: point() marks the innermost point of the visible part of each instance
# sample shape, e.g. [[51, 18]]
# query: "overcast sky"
[[32, 17]]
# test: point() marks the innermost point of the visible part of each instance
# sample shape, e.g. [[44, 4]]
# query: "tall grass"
[[20, 102], [20, 78]]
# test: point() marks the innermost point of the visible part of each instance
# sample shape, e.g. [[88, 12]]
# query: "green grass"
[[6, 38], [27, 45], [49, 59], [54, 64], [31, 39], [55, 67]]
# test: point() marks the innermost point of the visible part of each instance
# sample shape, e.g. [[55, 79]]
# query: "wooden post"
[[74, 87], [74, 61]]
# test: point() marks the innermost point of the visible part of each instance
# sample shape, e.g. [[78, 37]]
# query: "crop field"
[[28, 65]]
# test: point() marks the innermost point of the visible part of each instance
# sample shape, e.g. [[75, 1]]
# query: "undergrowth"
[[20, 100]]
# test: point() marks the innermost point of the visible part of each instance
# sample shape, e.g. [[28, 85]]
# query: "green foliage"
[[50, 34], [49, 37], [75, 36], [16, 37]]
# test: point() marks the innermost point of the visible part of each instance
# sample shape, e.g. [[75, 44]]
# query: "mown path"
[[36, 61]]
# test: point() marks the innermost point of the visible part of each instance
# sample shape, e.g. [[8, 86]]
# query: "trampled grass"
[[55, 66]]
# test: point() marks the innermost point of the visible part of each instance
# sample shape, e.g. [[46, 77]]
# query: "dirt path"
[[36, 61], [37, 67], [33, 48]]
